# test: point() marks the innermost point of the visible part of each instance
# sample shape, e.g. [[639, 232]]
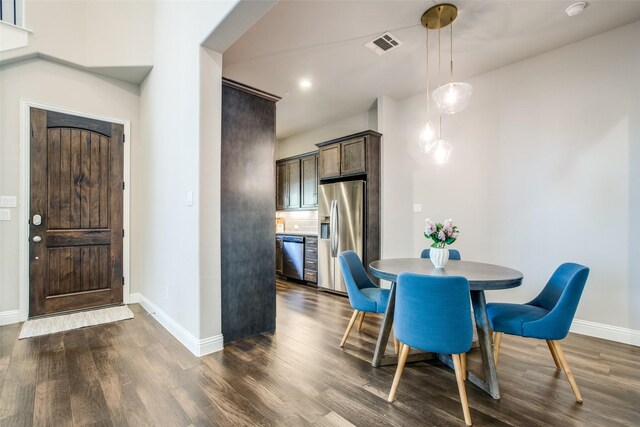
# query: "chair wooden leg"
[[396, 346], [351, 322], [554, 355], [457, 364], [402, 359], [567, 371], [497, 338], [362, 313], [463, 364]]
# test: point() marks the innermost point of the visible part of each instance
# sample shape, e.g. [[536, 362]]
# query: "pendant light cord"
[[451, 75], [428, 93], [439, 81]]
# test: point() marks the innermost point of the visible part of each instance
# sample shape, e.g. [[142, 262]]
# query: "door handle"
[[37, 239], [334, 228], [37, 220]]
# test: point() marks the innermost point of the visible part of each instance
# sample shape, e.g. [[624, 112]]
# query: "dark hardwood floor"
[[135, 373]]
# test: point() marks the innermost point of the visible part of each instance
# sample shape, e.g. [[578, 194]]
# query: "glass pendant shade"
[[441, 151], [427, 138], [452, 97]]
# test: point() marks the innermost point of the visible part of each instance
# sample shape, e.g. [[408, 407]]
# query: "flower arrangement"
[[441, 234]]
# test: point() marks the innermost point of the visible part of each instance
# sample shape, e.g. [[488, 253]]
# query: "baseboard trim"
[[607, 332], [199, 347], [9, 317]]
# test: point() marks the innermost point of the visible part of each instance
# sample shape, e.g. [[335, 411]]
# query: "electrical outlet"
[[417, 208], [5, 215], [166, 292]]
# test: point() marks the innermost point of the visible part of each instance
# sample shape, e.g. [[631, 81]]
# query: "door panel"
[[282, 186], [353, 157], [293, 179], [350, 196], [329, 162], [326, 262], [309, 180], [77, 189]]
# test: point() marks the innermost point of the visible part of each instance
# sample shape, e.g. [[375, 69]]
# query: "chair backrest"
[[355, 276], [454, 254], [433, 313], [560, 296]]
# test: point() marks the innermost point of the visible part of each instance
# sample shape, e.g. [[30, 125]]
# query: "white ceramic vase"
[[439, 257]]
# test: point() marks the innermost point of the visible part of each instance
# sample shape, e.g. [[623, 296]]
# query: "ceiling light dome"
[[427, 138], [441, 151], [453, 97]]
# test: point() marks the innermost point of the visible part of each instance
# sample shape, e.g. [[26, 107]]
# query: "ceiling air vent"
[[383, 44]]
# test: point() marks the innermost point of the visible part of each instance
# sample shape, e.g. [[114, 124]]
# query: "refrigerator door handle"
[[334, 228]]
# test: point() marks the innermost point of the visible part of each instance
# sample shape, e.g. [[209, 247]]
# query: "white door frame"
[[25, 145]]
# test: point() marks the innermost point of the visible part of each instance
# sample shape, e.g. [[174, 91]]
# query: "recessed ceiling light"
[[576, 8], [305, 83]]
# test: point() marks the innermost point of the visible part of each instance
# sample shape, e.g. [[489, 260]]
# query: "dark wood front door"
[[76, 205]]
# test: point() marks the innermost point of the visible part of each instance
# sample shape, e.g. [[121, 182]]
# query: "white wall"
[[544, 170], [90, 33], [57, 85], [166, 232], [306, 141], [395, 205]]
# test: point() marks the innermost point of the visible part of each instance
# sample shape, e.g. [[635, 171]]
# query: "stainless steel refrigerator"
[[341, 218]]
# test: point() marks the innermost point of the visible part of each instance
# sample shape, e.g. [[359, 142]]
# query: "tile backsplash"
[[307, 221]]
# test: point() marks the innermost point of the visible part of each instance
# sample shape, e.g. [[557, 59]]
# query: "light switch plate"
[[5, 215], [8, 201], [189, 198], [417, 208]]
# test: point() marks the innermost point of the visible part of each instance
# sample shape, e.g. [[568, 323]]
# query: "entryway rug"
[[67, 322]]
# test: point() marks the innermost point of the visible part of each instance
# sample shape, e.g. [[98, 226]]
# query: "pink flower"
[[429, 227], [442, 236]]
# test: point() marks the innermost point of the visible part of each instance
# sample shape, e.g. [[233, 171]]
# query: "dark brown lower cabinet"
[[311, 259], [279, 254]]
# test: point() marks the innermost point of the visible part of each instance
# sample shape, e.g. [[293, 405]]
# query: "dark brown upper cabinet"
[[309, 178], [293, 181], [353, 157], [343, 158], [297, 182], [329, 162], [282, 186]]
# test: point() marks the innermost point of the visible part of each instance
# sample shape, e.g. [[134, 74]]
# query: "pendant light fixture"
[[451, 97]]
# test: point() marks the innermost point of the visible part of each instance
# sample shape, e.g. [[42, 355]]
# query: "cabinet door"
[[311, 259], [293, 181], [329, 162], [353, 157], [282, 186], [279, 255], [309, 176]]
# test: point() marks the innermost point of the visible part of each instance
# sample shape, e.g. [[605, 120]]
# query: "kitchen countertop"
[[297, 233]]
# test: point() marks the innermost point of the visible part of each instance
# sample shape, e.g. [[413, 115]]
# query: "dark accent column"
[[247, 211]]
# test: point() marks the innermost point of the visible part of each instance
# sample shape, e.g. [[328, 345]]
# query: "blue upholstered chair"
[[434, 314], [364, 295], [454, 254], [547, 317]]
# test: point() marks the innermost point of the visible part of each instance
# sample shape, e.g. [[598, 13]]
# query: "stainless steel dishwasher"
[[294, 257]]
